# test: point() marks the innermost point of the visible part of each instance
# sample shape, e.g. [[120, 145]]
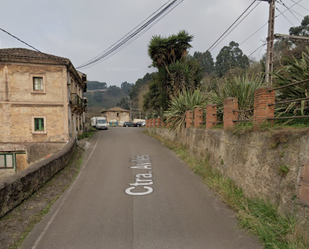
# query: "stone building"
[[116, 114], [41, 106]]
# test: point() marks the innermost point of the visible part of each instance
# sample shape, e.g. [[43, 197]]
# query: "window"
[[39, 125], [38, 84], [6, 160]]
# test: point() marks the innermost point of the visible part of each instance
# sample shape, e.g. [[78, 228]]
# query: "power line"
[[285, 17], [15, 37], [230, 26], [133, 37], [257, 49], [124, 36], [253, 34], [236, 25], [27, 44], [295, 3], [135, 33], [281, 2], [109, 52], [300, 5]]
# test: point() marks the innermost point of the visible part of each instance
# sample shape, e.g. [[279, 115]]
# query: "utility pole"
[[270, 42]]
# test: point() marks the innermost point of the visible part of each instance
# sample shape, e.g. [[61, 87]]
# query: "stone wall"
[[256, 161], [17, 187]]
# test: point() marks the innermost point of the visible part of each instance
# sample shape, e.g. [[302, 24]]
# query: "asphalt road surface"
[[133, 193]]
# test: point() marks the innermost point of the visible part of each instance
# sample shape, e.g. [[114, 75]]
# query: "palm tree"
[[157, 51], [183, 44]]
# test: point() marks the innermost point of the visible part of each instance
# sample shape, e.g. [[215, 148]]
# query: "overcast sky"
[[81, 29]]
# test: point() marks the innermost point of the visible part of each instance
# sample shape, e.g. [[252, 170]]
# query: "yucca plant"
[[295, 71], [186, 100], [242, 88]]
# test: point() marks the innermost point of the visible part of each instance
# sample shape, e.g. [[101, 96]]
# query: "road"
[[133, 193]]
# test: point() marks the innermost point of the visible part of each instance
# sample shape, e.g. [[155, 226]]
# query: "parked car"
[[127, 124], [143, 123], [140, 123]]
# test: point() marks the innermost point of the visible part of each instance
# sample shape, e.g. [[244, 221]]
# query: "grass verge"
[[260, 217]]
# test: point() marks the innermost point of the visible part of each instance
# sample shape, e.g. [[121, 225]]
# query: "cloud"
[[80, 30]]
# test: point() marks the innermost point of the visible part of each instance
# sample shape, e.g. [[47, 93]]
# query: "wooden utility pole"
[[270, 42]]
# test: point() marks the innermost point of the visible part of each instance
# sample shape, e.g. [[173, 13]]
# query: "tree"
[[97, 96], [96, 85], [230, 57], [154, 98], [126, 87], [302, 30], [205, 61], [176, 72], [134, 92], [124, 103], [114, 91], [290, 48]]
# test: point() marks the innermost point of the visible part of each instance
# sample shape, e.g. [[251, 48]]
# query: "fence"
[[263, 111]]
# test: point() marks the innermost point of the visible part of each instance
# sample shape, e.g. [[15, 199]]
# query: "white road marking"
[[63, 200], [144, 180]]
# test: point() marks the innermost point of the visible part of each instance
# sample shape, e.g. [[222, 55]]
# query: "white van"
[[99, 123]]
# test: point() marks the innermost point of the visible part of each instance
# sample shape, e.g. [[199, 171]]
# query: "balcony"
[[77, 103]]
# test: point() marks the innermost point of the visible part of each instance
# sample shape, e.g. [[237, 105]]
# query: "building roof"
[[115, 109], [23, 53]]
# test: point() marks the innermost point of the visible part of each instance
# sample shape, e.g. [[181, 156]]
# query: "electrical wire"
[[52, 57], [253, 34], [220, 40], [209, 49], [112, 50], [15, 37], [135, 33], [257, 49], [281, 2], [300, 5], [302, 16], [285, 17], [127, 34], [295, 3], [130, 39], [236, 26]]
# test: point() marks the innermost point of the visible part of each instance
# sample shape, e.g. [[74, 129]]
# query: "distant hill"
[[96, 85], [102, 97]]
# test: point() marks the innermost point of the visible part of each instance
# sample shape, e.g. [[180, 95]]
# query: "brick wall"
[[198, 117]]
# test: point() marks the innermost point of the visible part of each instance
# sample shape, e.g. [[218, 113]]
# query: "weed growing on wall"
[[259, 216]]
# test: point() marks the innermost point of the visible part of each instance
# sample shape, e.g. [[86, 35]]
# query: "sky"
[[82, 29]]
